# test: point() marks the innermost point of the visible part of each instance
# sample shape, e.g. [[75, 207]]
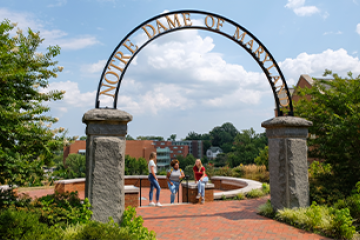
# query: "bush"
[[266, 210], [266, 188], [240, 196], [15, 224], [320, 219], [255, 193], [8, 197], [223, 197]]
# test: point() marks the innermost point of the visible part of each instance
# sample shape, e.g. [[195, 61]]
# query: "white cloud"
[[94, 68], [52, 37], [358, 28], [299, 8], [339, 61], [58, 3], [331, 32]]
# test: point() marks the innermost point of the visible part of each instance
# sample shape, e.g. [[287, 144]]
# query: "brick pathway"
[[219, 220]]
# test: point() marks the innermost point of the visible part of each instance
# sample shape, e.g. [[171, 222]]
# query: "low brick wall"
[[192, 191], [233, 186], [135, 181], [70, 185], [227, 185]]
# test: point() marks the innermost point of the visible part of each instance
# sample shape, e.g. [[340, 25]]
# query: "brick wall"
[[139, 148], [209, 195]]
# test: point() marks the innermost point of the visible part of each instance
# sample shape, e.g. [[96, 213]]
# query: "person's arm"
[[182, 174], [203, 175], [168, 178]]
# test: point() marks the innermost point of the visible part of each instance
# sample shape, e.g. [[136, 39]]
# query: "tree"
[[76, 166], [224, 136], [172, 137], [26, 139], [83, 138], [158, 138], [247, 146], [128, 137], [263, 158], [135, 166], [334, 109], [184, 162]]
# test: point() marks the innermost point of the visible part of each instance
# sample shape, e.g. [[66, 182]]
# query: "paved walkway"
[[219, 220]]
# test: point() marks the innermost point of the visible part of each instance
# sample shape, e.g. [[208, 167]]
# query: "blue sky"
[[223, 83]]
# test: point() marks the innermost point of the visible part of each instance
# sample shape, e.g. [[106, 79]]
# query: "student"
[[154, 182], [201, 177], [173, 178]]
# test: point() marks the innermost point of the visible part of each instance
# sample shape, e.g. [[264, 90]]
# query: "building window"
[[179, 151], [162, 143], [175, 147]]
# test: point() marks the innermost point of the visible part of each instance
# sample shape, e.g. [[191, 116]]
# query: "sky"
[[190, 80]]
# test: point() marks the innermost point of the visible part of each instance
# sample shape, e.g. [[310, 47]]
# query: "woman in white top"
[[154, 182]]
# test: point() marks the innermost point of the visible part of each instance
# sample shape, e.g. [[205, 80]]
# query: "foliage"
[[27, 141], [223, 197], [157, 138], [266, 188], [128, 137], [247, 145], [255, 193], [263, 158], [8, 197], [135, 224], [186, 161], [240, 196], [323, 188], [172, 137], [54, 210], [220, 160], [15, 224], [332, 222], [76, 165], [266, 209], [83, 138], [334, 109], [189, 172], [135, 166], [224, 136]]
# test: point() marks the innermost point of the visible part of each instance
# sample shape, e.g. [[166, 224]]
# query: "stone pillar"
[[288, 167], [105, 162]]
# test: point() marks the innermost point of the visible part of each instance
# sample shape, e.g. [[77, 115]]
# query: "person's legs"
[[176, 184], [173, 191], [151, 179], [157, 186], [202, 186]]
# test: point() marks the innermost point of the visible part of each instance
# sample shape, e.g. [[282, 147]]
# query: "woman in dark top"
[[201, 177]]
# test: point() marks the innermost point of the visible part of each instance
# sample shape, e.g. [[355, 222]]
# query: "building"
[[140, 148], [166, 152], [212, 152], [195, 147], [78, 147]]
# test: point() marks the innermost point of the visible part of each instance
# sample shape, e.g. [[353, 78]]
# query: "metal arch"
[[280, 113]]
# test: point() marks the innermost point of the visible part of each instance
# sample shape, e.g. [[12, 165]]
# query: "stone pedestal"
[[288, 167], [191, 190], [105, 162]]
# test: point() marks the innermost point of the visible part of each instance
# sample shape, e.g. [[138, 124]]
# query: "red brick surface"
[[218, 220]]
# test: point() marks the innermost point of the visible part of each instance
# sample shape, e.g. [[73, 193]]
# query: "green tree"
[[224, 136], [334, 109], [83, 138], [172, 137], [27, 140], [184, 162], [76, 166], [158, 138], [135, 166], [263, 158], [128, 137], [247, 146]]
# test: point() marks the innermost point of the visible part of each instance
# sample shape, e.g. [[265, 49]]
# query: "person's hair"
[[200, 164], [152, 156], [174, 162]]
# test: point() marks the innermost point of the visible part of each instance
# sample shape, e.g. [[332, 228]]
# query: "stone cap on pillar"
[[287, 127], [105, 121]]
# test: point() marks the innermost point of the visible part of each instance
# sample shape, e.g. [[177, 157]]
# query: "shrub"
[[8, 197], [255, 193], [223, 197], [266, 188], [240, 196], [266, 210], [135, 224], [15, 224], [320, 219]]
